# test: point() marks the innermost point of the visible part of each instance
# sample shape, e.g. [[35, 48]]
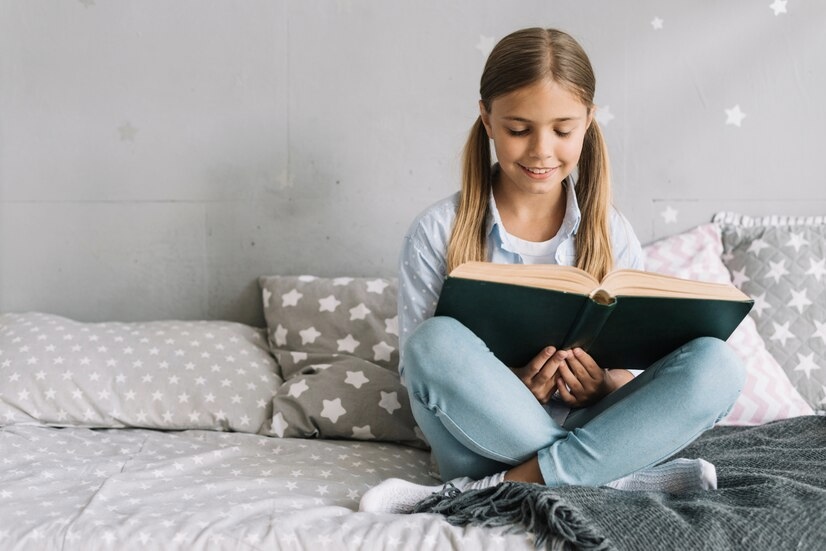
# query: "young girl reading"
[[561, 419]]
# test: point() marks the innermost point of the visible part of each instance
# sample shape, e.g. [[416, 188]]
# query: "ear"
[[591, 116], [485, 115]]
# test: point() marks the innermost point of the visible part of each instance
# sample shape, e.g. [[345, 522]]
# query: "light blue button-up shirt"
[[423, 263]]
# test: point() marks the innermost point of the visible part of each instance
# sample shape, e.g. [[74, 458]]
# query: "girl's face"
[[537, 132]]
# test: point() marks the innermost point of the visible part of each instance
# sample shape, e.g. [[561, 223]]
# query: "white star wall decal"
[[604, 115], [127, 132], [735, 116], [669, 215], [284, 180], [485, 45], [778, 6], [657, 23]]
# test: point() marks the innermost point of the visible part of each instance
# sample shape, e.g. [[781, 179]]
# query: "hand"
[[581, 382], [539, 374]]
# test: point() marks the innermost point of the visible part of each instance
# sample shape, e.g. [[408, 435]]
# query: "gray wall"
[[157, 156]]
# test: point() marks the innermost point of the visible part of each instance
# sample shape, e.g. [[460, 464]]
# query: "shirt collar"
[[570, 223]]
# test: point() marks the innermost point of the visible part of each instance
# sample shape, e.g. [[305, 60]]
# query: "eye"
[[562, 134], [517, 132]]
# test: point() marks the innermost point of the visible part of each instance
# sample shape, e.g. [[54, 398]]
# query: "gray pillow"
[[336, 342], [344, 315], [781, 263], [160, 375], [344, 397]]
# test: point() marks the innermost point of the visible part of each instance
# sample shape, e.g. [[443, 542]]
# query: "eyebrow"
[[560, 119]]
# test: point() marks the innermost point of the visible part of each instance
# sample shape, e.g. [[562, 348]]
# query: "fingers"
[[580, 380], [573, 373], [568, 379], [549, 369], [536, 364], [583, 366], [564, 393], [539, 374]]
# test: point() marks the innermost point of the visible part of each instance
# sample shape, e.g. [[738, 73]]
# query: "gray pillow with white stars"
[[781, 263], [211, 375], [336, 341]]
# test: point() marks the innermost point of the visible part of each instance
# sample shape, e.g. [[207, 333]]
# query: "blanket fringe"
[[541, 512]]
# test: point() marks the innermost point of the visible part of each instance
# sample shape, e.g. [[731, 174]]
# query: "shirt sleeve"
[[421, 276]]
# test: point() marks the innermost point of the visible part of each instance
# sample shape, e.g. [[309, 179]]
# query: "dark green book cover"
[[633, 332]]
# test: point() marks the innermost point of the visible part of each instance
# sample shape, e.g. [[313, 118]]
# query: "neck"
[[531, 216]]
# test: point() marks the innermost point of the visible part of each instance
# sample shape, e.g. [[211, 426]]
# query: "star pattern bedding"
[[781, 262], [164, 374], [86, 489]]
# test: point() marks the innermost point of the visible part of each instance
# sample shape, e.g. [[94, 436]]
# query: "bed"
[[217, 435]]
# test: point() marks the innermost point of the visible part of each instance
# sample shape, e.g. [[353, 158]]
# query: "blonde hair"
[[520, 59]]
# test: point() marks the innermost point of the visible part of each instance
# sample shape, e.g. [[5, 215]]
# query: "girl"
[[561, 419]]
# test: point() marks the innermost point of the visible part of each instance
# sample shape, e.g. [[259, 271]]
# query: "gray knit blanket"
[[771, 495]]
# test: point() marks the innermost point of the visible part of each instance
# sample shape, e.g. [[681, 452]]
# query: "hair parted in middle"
[[520, 59]]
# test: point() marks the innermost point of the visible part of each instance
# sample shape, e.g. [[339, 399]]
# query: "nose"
[[542, 146]]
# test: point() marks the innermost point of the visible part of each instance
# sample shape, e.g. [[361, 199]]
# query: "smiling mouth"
[[537, 170]]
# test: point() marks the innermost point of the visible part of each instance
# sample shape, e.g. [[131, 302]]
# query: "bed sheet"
[[75, 488]]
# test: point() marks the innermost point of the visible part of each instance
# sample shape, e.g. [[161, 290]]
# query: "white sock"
[[679, 476], [395, 495]]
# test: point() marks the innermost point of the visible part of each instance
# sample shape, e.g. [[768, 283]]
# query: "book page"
[[639, 283], [543, 276]]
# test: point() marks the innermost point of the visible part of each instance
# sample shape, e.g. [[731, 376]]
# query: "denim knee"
[[716, 372], [433, 345]]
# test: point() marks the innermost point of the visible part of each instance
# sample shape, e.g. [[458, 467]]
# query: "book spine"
[[588, 324]]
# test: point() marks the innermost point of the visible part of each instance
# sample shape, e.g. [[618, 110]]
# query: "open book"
[[628, 320]]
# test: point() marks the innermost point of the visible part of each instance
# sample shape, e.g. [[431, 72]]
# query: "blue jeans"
[[481, 419]]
